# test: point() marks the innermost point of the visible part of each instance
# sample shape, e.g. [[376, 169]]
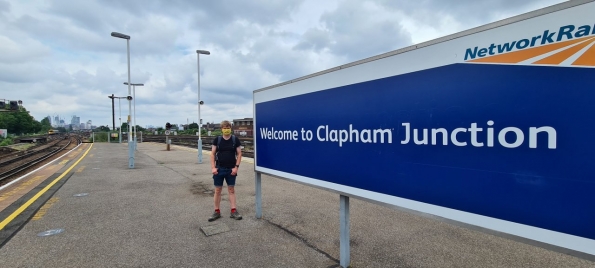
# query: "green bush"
[[101, 136], [5, 142]]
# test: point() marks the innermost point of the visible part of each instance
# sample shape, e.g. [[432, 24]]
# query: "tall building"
[[56, 121], [75, 122]]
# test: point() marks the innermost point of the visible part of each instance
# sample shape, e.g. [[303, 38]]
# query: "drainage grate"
[[214, 229]]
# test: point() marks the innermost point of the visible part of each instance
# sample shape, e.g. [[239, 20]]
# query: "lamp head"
[[133, 84], [119, 35]]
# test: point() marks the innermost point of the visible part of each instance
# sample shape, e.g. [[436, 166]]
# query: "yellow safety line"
[[34, 198]]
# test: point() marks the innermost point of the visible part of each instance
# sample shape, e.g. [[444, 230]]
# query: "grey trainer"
[[236, 215], [216, 215]]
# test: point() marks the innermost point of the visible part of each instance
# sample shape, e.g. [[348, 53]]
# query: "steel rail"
[[25, 155], [7, 174]]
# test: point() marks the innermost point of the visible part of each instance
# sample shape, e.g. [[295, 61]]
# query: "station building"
[[243, 127]]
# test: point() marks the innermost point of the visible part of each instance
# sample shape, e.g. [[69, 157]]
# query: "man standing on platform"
[[226, 156]]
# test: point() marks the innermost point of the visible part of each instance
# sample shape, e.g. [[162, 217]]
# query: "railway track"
[[14, 164]]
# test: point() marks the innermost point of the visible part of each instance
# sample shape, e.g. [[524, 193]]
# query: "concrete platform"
[[155, 216]]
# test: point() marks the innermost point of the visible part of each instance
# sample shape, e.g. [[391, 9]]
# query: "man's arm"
[[213, 153], [238, 155], [234, 170]]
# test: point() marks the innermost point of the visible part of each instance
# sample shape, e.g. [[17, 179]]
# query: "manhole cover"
[[214, 229], [81, 194], [50, 232]]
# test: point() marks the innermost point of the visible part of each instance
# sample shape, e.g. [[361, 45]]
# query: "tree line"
[[21, 122]]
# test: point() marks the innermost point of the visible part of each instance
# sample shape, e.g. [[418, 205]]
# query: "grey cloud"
[[356, 34], [230, 93], [269, 51], [151, 36], [61, 35], [18, 50], [25, 73], [227, 95], [465, 11], [278, 60], [314, 39], [229, 23], [84, 14], [104, 79], [4, 7], [263, 12], [231, 36], [258, 11]]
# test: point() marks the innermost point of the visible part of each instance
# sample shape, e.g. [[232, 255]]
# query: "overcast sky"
[[58, 57]]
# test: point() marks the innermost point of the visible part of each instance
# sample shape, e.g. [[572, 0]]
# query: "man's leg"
[[231, 181], [217, 200], [217, 197], [218, 181], [232, 196]]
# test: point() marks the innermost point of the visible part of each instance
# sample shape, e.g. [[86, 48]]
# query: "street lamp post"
[[113, 113], [134, 109], [120, 127], [200, 102], [130, 144]]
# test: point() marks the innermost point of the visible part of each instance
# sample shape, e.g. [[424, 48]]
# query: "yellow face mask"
[[226, 131]]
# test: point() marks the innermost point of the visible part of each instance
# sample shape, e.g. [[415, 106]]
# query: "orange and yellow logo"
[[577, 49]]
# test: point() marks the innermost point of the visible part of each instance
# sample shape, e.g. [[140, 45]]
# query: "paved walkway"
[[154, 216]]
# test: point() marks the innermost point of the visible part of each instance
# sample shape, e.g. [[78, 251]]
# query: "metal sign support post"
[[167, 139], [344, 257], [134, 114], [344, 247], [257, 183]]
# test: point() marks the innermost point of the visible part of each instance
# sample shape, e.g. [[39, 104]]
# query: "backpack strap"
[[217, 153]]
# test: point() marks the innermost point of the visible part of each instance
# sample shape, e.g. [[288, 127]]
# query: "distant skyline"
[[58, 56]]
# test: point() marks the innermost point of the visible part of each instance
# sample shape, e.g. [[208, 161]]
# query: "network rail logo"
[[569, 46]]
